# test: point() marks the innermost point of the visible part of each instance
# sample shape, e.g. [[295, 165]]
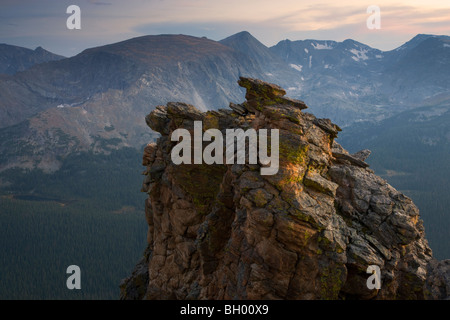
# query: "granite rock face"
[[224, 231]]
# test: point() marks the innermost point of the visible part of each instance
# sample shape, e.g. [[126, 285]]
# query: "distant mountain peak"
[[243, 34], [14, 58], [424, 36], [240, 36], [418, 39], [246, 43]]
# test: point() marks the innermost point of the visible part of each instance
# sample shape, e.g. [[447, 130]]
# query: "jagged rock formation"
[[14, 59], [308, 232]]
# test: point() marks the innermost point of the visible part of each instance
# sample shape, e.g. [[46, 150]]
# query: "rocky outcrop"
[[438, 280], [224, 231]]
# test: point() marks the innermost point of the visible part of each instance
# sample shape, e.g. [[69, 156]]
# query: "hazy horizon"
[[31, 24], [306, 39]]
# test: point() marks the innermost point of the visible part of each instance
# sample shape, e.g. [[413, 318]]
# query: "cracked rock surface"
[[224, 231]]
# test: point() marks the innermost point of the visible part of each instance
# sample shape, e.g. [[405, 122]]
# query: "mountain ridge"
[[342, 80], [14, 59], [71, 123]]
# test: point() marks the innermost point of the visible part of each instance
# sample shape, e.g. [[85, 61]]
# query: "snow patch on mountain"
[[319, 46], [359, 54], [296, 67]]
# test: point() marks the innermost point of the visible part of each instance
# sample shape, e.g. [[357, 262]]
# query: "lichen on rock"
[[225, 231]]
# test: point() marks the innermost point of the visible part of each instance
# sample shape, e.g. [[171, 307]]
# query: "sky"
[[32, 23]]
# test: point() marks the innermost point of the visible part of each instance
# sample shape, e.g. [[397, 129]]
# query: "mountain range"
[[101, 94], [66, 123], [14, 59]]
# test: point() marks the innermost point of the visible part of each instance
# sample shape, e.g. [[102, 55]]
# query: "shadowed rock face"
[[308, 232]]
